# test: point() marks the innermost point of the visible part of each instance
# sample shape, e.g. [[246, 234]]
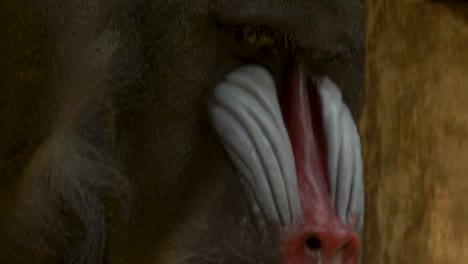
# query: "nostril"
[[341, 247], [313, 249], [313, 243], [326, 246]]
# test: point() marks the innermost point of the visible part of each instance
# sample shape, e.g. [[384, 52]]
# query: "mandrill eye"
[[262, 38], [254, 44]]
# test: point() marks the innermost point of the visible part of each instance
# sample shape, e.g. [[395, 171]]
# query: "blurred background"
[[415, 132]]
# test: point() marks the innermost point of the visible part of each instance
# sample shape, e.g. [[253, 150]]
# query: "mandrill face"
[[279, 155], [178, 132]]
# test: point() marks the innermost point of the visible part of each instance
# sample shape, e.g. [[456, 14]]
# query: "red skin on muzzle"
[[301, 109]]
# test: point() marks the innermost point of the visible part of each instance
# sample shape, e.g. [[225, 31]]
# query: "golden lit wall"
[[415, 133]]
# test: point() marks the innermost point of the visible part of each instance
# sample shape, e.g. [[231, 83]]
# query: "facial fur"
[[106, 127]]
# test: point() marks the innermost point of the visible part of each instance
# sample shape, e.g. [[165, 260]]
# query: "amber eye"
[[254, 43], [260, 36]]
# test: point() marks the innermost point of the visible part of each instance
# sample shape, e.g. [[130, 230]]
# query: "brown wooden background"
[[415, 133]]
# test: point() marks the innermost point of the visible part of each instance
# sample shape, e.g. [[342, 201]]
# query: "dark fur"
[[104, 101]]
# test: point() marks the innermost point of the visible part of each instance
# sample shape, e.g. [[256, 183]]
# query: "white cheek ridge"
[[247, 116], [344, 155], [238, 146]]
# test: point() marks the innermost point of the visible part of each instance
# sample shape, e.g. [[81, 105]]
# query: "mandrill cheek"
[[344, 161], [247, 117]]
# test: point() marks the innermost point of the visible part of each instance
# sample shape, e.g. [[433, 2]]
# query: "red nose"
[[326, 242], [320, 234]]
